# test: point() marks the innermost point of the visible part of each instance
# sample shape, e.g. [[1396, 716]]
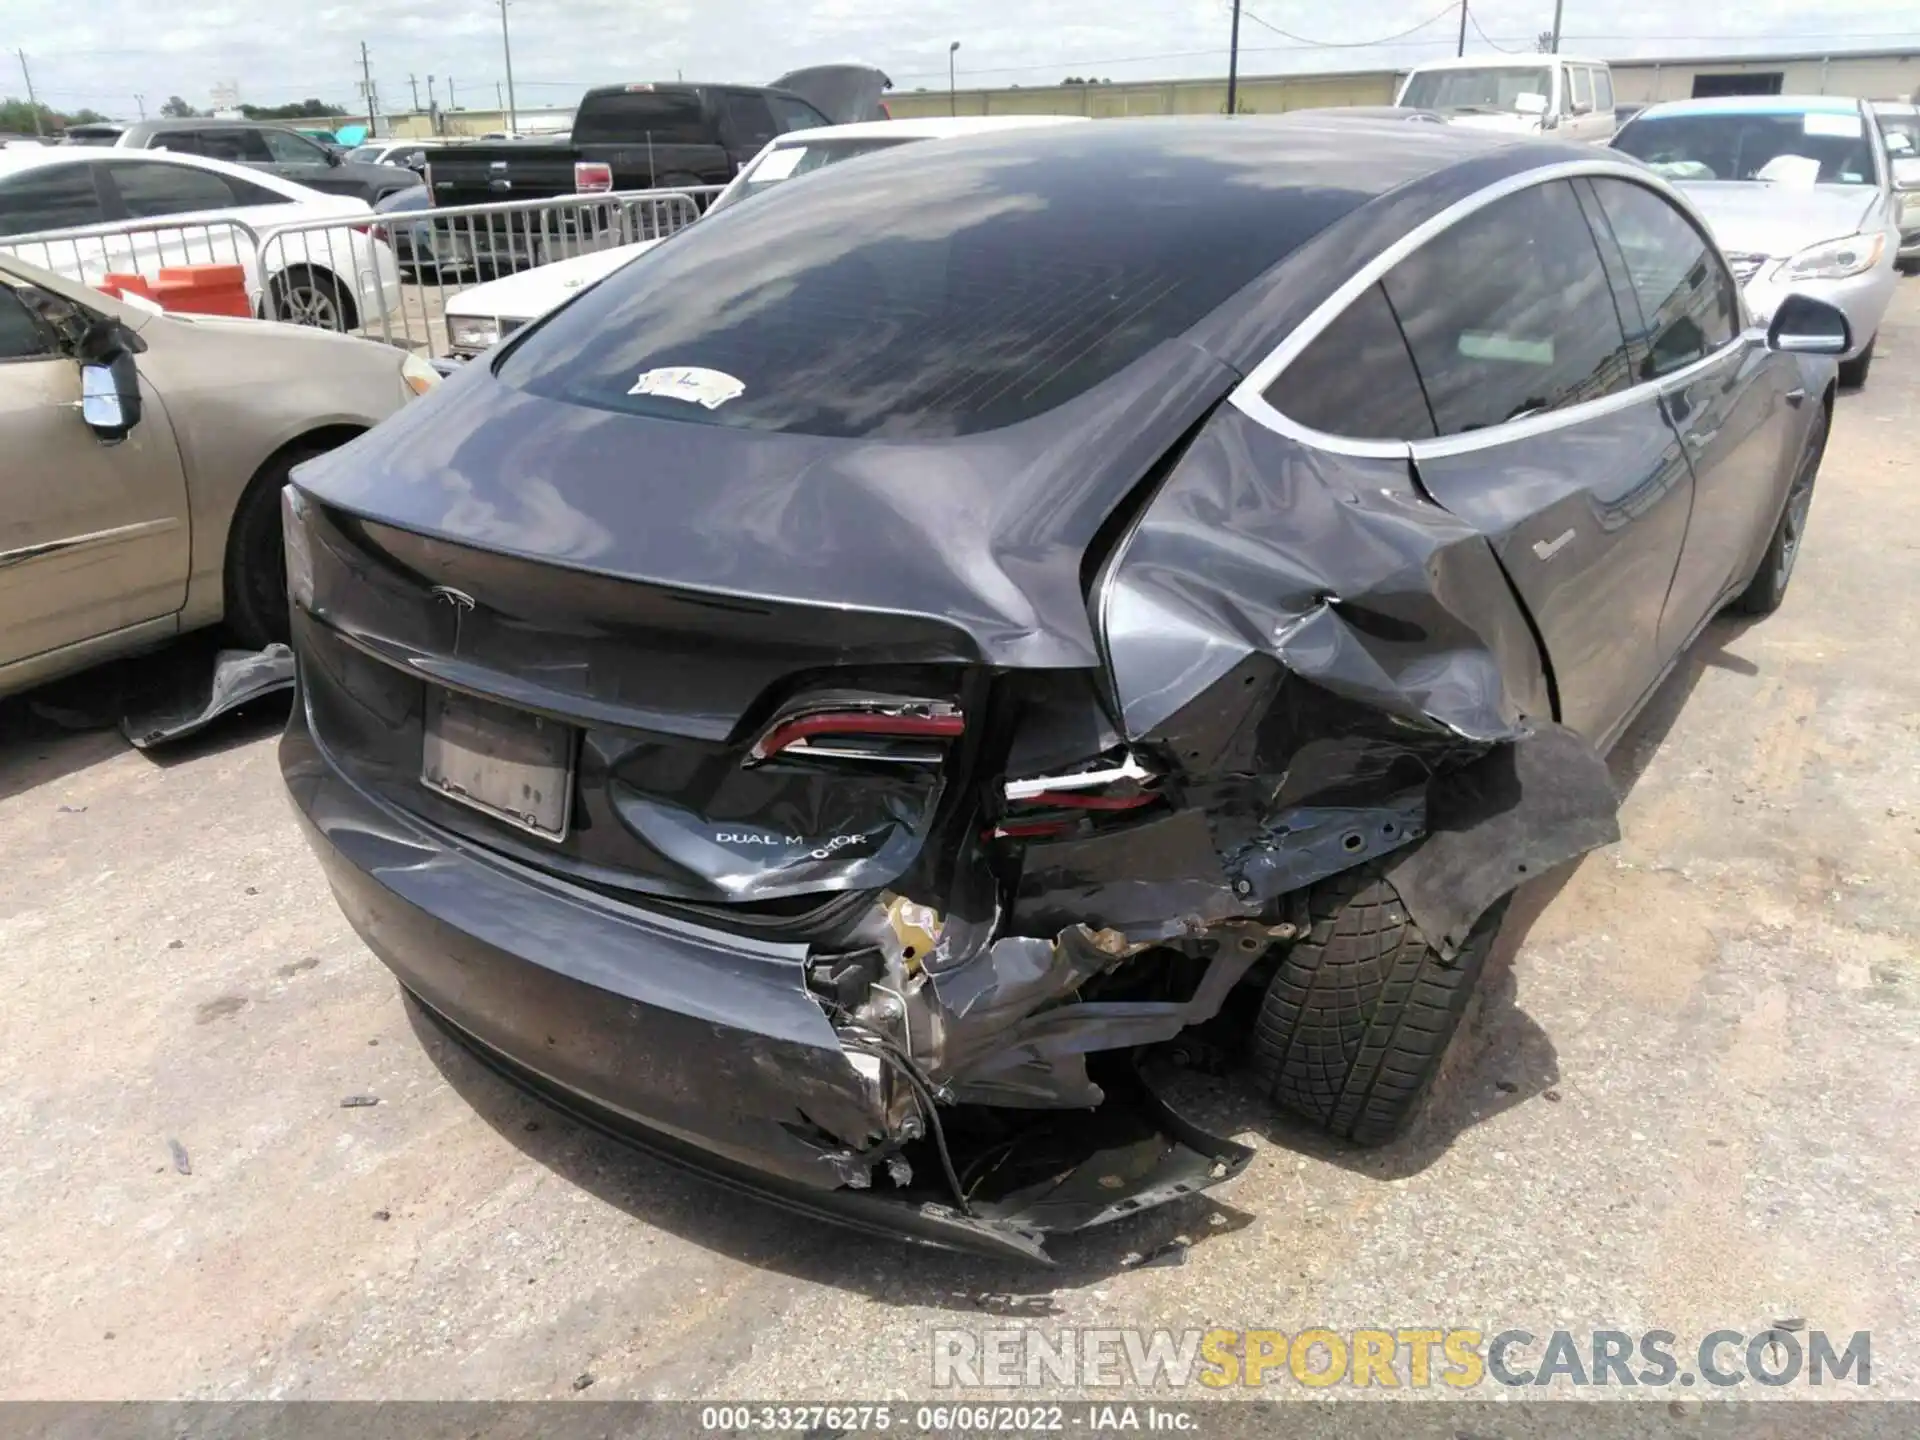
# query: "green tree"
[[298, 110], [177, 109], [17, 117]]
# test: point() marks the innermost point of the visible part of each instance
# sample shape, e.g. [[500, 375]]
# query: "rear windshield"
[[788, 161], [666, 117], [899, 298]]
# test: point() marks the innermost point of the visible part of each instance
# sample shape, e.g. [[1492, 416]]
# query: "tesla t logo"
[[1547, 549], [461, 603]]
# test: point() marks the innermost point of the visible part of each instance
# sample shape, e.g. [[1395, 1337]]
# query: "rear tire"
[[312, 295], [1355, 1022], [1853, 373], [1769, 584]]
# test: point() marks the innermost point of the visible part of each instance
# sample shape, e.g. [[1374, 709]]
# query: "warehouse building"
[[1870, 74]]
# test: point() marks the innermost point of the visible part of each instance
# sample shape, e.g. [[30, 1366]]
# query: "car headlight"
[[417, 375], [1835, 259], [472, 332]]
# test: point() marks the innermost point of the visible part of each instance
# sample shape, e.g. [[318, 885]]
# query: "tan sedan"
[[144, 457]]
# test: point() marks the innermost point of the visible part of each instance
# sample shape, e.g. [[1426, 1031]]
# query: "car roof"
[[1755, 105], [12, 162], [930, 128]]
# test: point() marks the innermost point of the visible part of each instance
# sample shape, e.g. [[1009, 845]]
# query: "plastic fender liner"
[[1516, 813]]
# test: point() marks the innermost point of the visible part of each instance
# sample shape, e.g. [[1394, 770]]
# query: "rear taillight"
[[365, 229], [426, 179], [896, 731], [592, 177], [1041, 805]]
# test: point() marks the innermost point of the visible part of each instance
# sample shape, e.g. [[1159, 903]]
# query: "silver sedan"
[[1799, 193]]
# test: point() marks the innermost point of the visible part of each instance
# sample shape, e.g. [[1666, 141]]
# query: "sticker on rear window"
[[692, 383], [1846, 127], [780, 164]]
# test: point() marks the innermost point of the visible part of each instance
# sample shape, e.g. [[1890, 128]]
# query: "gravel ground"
[[1686, 1100]]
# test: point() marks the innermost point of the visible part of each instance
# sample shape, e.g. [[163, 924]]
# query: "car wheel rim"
[[307, 306], [1793, 524]]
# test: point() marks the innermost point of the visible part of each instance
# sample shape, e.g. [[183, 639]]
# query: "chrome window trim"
[[1249, 395]]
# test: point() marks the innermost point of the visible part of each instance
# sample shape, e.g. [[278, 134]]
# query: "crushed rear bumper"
[[704, 1048]]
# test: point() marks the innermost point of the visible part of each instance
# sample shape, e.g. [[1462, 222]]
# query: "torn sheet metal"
[[193, 698], [1500, 822]]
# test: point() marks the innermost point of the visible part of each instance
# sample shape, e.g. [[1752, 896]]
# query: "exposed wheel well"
[[319, 276]]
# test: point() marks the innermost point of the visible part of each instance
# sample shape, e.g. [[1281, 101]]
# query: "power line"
[[1488, 38], [1351, 44]]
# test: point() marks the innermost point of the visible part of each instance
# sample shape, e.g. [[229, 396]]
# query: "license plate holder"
[[507, 763]]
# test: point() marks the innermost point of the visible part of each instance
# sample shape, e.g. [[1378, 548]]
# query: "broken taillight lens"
[[1108, 786]]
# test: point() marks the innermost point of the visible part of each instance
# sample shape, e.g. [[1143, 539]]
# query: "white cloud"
[[104, 53]]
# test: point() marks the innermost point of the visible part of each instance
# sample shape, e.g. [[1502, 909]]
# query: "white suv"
[[1569, 97]]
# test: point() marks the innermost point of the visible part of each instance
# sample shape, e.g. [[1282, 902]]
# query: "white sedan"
[[86, 213], [482, 315]]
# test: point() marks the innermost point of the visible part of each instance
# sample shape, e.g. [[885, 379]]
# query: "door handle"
[[1796, 396], [1700, 439]]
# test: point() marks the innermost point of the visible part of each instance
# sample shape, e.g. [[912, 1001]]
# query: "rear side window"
[[288, 148], [749, 119], [148, 188], [51, 197], [1603, 89], [1356, 379], [668, 117], [792, 114], [236, 147], [1686, 301], [1581, 79], [1509, 313]]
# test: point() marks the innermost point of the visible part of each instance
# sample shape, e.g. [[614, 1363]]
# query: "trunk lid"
[[673, 593], [845, 94]]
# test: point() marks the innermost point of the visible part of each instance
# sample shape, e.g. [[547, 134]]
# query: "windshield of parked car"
[[365, 154], [1791, 147], [899, 298], [786, 161], [1492, 90]]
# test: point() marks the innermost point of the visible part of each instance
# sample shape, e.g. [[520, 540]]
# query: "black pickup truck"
[[652, 136]]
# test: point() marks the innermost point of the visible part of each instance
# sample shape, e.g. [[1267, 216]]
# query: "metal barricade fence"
[[389, 277], [385, 276], [140, 247]]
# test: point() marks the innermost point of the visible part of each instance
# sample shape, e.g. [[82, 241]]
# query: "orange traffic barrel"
[[204, 289], [119, 286]]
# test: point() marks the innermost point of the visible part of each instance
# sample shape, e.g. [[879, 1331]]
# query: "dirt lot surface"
[[1688, 1099]]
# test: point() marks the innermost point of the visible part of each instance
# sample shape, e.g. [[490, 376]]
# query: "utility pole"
[[32, 103], [506, 46], [499, 102], [432, 103], [1461, 48], [1556, 26], [1233, 64], [141, 101], [366, 84], [452, 104], [953, 103], [414, 85]]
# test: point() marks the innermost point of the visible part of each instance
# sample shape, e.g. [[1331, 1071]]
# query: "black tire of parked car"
[[1853, 373], [312, 295], [1769, 585], [1356, 1020], [256, 569]]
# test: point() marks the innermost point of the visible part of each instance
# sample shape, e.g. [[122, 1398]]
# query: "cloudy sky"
[[104, 53]]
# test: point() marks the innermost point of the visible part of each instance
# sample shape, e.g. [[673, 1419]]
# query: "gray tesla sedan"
[[850, 698]]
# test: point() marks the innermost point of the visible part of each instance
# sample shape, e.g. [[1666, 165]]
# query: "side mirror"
[[1906, 172], [110, 398], [1806, 326], [333, 156], [1528, 102]]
